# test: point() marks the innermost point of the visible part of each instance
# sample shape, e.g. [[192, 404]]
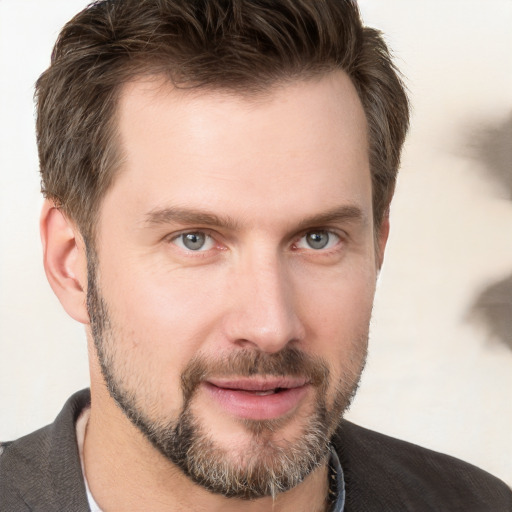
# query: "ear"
[[65, 261], [382, 238]]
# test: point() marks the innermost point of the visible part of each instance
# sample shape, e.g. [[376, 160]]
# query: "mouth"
[[258, 398]]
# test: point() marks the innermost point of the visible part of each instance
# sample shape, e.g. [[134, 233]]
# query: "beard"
[[264, 467]]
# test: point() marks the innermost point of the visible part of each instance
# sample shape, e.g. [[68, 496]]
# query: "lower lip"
[[250, 406]]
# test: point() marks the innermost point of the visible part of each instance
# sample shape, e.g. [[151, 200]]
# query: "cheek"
[[165, 317], [338, 304], [338, 311]]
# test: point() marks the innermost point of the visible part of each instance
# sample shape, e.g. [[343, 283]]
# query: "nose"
[[264, 306]]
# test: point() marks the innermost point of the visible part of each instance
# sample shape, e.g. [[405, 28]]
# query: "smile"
[[258, 398]]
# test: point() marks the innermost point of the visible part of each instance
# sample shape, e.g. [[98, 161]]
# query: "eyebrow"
[[205, 218], [339, 214], [190, 216]]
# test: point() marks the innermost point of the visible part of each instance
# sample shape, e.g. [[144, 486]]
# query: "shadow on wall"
[[493, 309], [492, 146]]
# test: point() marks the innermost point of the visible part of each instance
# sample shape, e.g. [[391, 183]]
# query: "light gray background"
[[440, 367]]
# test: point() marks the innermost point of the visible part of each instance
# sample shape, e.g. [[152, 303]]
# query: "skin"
[[277, 166]]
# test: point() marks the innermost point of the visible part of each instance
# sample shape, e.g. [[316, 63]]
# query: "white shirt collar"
[[81, 426]]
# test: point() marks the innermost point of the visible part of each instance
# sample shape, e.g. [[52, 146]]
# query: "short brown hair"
[[243, 46]]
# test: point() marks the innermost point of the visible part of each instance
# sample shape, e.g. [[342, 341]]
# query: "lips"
[[258, 398]]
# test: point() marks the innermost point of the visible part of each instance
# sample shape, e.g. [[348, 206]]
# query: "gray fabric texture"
[[41, 473]]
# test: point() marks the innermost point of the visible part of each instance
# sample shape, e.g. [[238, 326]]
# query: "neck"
[[125, 472]]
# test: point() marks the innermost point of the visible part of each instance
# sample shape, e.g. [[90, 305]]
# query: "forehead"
[[301, 143]]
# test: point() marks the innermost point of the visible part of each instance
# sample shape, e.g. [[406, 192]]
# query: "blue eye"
[[318, 240], [194, 241]]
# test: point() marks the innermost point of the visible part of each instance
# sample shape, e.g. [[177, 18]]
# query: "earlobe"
[[65, 261]]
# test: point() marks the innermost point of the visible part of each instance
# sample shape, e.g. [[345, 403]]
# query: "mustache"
[[289, 362]]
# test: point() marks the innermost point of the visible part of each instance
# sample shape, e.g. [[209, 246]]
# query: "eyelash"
[[209, 236], [323, 250], [174, 238]]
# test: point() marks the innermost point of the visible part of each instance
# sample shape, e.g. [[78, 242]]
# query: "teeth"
[[264, 393]]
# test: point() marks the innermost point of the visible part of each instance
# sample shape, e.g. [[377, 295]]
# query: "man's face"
[[235, 274]]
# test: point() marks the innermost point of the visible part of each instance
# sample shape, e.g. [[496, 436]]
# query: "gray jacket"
[[41, 472]]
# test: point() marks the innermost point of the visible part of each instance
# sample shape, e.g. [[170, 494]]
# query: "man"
[[217, 178]]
